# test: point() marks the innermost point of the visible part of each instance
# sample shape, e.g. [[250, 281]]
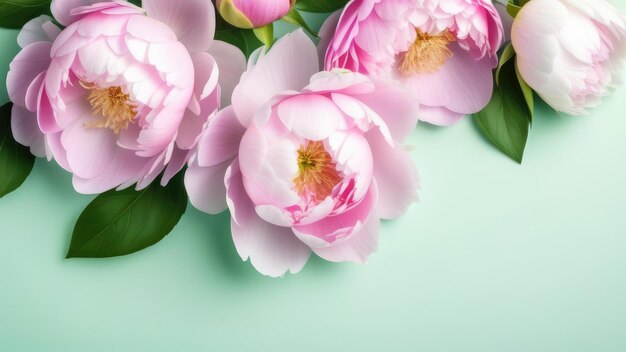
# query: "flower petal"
[[395, 175], [313, 117], [272, 250], [358, 247], [232, 64], [461, 85], [396, 106], [287, 66], [26, 130], [205, 186], [336, 229], [220, 142], [193, 21], [25, 67], [89, 150], [39, 29]]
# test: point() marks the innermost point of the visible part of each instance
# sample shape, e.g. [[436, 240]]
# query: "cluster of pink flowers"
[[302, 143]]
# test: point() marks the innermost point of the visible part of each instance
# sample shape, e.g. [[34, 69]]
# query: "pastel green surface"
[[496, 257]]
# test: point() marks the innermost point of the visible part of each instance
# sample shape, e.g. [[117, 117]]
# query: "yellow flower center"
[[115, 108], [427, 54], [317, 173]]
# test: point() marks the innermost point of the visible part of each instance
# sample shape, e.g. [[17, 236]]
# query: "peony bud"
[[569, 51], [253, 13]]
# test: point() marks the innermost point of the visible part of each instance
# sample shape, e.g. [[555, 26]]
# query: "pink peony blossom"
[[570, 51], [122, 92], [253, 13], [443, 50], [310, 161]]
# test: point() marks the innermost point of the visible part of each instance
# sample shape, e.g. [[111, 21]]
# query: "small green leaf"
[[294, 17], [513, 9], [320, 6], [505, 121], [123, 222], [265, 34], [507, 54], [15, 13], [244, 39], [528, 92], [16, 161]]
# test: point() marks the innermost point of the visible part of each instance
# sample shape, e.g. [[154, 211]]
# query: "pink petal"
[[326, 33], [396, 106], [61, 9], [312, 117], [232, 64], [45, 114], [338, 81], [462, 85], [31, 99], [263, 12], [39, 29], [269, 165], [193, 21], [177, 162], [220, 142], [192, 125], [26, 130], [439, 115], [205, 187], [287, 66], [24, 69], [123, 168], [395, 175], [89, 150], [272, 250], [335, 229], [358, 247]]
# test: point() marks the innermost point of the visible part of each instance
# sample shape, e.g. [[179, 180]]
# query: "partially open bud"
[[570, 52], [253, 13]]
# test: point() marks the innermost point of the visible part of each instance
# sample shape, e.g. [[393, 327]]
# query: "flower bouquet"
[[151, 104]]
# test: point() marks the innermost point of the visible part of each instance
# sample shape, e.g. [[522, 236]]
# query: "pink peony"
[[311, 161], [443, 50], [118, 96], [570, 51], [253, 13]]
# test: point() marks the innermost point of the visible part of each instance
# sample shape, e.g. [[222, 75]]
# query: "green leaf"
[[244, 39], [15, 13], [320, 6], [507, 54], [505, 121], [135, 2], [294, 17], [527, 91], [265, 34], [16, 161], [122, 222], [513, 9]]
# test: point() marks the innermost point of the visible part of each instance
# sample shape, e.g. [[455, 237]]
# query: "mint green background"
[[496, 257]]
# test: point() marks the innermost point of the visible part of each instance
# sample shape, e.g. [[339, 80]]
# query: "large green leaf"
[[14, 13], [320, 6], [16, 161], [505, 121], [122, 222]]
